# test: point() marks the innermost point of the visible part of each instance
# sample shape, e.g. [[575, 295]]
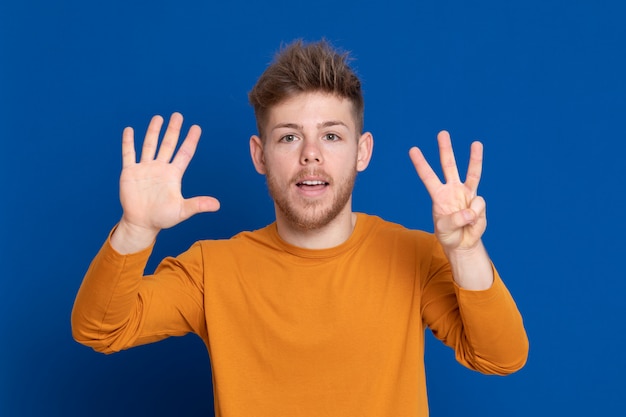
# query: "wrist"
[[466, 254], [471, 268], [129, 238]]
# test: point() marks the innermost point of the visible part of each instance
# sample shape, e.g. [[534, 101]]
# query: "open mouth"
[[312, 184]]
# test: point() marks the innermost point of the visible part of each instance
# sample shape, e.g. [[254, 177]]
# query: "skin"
[[459, 214], [150, 190], [310, 139]]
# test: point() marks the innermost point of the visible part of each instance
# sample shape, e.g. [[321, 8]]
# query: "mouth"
[[312, 185], [312, 188]]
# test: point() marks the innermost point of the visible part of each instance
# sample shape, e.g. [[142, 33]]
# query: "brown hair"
[[300, 67]]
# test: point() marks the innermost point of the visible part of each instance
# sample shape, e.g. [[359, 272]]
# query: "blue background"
[[541, 83]]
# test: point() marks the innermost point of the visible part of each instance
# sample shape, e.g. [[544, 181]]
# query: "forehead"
[[312, 109]]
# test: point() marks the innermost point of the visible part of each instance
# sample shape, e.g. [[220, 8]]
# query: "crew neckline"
[[359, 229]]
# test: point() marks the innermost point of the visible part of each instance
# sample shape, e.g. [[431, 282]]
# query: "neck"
[[333, 234]]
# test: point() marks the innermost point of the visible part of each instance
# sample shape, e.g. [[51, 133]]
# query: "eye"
[[288, 138], [331, 137]]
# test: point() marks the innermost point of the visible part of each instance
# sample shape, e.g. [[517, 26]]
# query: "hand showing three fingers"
[[150, 190], [458, 213]]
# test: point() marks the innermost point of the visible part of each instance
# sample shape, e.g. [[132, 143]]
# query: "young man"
[[323, 312]]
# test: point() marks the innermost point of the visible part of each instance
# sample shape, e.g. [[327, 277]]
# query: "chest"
[[314, 303]]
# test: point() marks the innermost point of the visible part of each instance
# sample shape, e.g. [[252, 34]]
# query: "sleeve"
[[117, 307], [485, 328]]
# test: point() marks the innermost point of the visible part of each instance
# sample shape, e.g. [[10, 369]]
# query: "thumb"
[[470, 216], [455, 221], [195, 205]]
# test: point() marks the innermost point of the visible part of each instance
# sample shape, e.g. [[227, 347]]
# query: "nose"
[[311, 153]]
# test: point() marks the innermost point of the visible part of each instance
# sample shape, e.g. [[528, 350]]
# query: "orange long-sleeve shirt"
[[297, 332]]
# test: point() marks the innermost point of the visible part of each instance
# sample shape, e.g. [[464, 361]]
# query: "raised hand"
[[458, 213], [150, 190]]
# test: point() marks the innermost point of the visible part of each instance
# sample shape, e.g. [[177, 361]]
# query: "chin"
[[311, 216]]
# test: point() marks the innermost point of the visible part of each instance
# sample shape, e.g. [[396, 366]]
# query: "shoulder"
[[375, 228], [253, 239], [372, 223]]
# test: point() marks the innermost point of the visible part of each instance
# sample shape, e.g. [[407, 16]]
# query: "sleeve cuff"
[[481, 296]]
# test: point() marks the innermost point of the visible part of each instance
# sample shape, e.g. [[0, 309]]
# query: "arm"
[[475, 315], [116, 306], [484, 327], [150, 190], [458, 214]]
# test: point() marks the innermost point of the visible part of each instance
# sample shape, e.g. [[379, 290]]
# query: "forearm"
[[493, 339], [107, 298]]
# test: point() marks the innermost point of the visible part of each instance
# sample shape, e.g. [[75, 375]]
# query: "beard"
[[311, 214]]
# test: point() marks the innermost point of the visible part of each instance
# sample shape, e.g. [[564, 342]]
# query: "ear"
[[257, 154], [364, 151]]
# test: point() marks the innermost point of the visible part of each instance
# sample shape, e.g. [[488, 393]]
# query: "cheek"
[[281, 162], [276, 168], [346, 161]]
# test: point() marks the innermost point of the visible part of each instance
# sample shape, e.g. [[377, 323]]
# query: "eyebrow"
[[329, 123]]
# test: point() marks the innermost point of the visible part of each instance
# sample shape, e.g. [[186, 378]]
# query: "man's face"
[[310, 155]]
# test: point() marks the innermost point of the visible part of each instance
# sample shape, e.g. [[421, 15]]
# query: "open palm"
[[150, 190]]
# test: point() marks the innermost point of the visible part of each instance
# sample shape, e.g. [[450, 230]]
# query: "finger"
[[188, 148], [478, 224], [479, 207], [473, 217], [424, 170], [475, 167], [129, 157], [454, 221], [446, 155], [170, 138], [151, 140], [197, 205]]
